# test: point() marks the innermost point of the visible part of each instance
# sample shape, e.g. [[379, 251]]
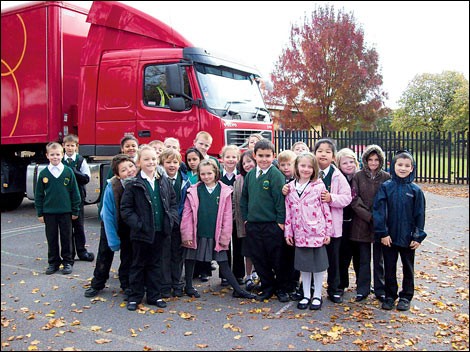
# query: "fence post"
[[449, 158]]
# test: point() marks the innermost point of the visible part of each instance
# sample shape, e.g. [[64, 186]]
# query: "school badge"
[[266, 184], [45, 180]]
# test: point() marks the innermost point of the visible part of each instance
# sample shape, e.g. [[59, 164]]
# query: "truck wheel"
[[10, 201]]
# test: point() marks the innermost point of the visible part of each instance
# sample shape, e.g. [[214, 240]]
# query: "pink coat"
[[340, 198], [308, 219], [224, 225]]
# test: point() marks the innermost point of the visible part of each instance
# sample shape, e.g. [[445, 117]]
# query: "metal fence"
[[441, 157]]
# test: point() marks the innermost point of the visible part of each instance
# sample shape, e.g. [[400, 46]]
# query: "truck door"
[[155, 120]]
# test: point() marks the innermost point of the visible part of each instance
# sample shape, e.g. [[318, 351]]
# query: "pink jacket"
[[308, 219], [223, 232], [340, 198]]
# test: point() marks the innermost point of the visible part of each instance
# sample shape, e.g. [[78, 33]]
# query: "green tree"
[[328, 75], [433, 102]]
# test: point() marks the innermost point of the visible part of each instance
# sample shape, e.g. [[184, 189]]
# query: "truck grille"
[[239, 137]]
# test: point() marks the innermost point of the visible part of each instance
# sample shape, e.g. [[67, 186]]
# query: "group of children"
[[293, 219]]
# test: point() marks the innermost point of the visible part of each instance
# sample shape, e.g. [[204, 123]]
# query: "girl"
[[252, 140], [338, 196], [208, 239], [149, 208], [308, 227], [346, 160], [246, 163], [193, 158], [129, 146], [230, 157], [365, 185]]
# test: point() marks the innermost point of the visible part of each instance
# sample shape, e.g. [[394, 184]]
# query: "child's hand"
[[386, 241], [285, 189], [325, 196], [414, 245], [290, 241], [41, 219], [74, 217], [327, 240], [281, 226], [188, 243]]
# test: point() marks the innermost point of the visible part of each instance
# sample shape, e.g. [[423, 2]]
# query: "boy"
[[286, 161], [57, 202], [399, 213], [300, 147], [172, 260], [82, 173], [171, 142], [114, 234], [263, 212]]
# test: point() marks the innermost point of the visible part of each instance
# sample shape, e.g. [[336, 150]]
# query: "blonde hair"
[[346, 153], [230, 147], [300, 143], [156, 142], [139, 155], [286, 155], [171, 154], [54, 145], [204, 135], [313, 159], [209, 162], [70, 138], [171, 139]]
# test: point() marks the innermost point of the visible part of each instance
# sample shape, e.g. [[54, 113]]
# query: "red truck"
[[108, 72]]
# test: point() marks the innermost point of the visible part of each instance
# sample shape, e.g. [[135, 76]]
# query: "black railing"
[[441, 157]]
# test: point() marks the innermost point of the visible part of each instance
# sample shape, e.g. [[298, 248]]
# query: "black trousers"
[[236, 260], [333, 266], [171, 262], [265, 240], [104, 261], [78, 233], [379, 270], [407, 257], [362, 252], [59, 228], [346, 255]]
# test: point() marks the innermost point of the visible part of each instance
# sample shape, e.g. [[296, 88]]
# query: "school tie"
[[69, 161], [260, 172], [172, 181], [322, 175]]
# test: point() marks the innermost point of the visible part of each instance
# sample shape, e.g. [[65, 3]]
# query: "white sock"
[[306, 283], [318, 283]]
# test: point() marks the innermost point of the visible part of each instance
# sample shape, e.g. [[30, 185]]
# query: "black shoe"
[[360, 297], [314, 305], [223, 282], [132, 306], [51, 269], [295, 296], [388, 304], [192, 292], [87, 257], [266, 294], [243, 294], [160, 303], [67, 269], [178, 292], [403, 304], [204, 278], [282, 296], [381, 298], [91, 292], [166, 294], [336, 298], [303, 306]]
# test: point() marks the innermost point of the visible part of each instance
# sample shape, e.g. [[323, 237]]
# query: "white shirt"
[[84, 169], [56, 170], [150, 180], [264, 171]]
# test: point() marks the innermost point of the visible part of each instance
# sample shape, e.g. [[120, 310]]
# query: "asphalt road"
[[40, 312]]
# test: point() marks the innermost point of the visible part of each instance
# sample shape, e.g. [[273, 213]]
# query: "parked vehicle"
[[108, 72]]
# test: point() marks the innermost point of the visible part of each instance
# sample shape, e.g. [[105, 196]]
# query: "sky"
[[411, 37]]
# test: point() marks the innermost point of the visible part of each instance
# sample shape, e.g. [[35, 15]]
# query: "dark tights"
[[224, 270]]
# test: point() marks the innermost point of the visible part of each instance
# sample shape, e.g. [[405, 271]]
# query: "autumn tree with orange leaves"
[[327, 76]]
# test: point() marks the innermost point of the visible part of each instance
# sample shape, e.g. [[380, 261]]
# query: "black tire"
[[11, 201]]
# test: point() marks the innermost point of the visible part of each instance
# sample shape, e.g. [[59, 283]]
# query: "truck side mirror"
[[174, 80], [177, 104]]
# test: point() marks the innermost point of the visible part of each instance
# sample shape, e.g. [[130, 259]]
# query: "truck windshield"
[[231, 94]]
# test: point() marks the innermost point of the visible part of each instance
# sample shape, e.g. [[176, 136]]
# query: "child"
[[230, 157], [346, 159], [286, 161], [338, 195], [263, 211], [170, 159], [300, 147], [365, 185], [115, 235], [399, 214], [130, 146], [171, 142], [246, 163], [148, 206], [57, 202], [308, 228], [206, 230], [203, 142], [193, 158], [82, 173], [158, 145], [252, 140]]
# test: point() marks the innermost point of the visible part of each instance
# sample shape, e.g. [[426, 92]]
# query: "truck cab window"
[[155, 94]]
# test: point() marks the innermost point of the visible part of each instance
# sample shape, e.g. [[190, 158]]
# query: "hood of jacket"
[[410, 178], [373, 148]]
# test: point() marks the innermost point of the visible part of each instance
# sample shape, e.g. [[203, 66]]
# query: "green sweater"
[[262, 199], [57, 195]]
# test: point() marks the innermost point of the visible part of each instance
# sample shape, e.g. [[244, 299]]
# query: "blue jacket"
[[399, 210]]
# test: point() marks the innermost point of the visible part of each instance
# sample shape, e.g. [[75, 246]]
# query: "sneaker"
[[249, 285], [91, 292], [67, 269], [223, 282], [403, 304], [388, 304], [254, 276], [87, 257], [51, 269], [336, 298], [160, 303]]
